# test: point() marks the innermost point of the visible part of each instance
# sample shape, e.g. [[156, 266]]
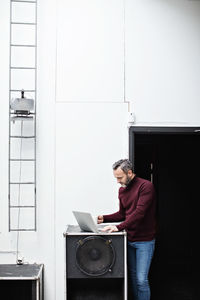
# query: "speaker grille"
[[95, 255]]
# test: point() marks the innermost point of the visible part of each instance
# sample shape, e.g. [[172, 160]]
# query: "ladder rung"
[[22, 136], [22, 183], [22, 159], [30, 91], [22, 23], [23, 68], [31, 229], [31, 113], [26, 1], [22, 45], [22, 206], [21, 118]]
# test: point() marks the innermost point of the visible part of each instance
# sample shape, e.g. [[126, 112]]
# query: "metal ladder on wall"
[[22, 116]]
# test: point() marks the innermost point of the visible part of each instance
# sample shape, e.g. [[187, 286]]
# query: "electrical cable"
[[19, 195]]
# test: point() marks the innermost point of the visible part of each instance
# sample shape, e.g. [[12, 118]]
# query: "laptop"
[[86, 222]]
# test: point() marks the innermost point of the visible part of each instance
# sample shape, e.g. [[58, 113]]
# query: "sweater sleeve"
[[146, 197], [116, 217]]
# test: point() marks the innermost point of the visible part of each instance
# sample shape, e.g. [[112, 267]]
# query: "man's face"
[[122, 177]]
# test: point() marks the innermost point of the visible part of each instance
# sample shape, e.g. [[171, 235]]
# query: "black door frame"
[[157, 130], [158, 285]]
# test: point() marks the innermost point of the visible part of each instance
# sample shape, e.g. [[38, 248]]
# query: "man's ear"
[[130, 172]]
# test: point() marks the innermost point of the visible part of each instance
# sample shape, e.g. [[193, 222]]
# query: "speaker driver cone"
[[95, 255]]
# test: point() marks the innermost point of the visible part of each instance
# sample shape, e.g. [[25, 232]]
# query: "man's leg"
[[144, 254], [132, 268]]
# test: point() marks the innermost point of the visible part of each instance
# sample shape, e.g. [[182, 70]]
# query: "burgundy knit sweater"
[[137, 210]]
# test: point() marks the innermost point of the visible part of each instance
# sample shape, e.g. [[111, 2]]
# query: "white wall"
[[162, 61], [81, 112], [91, 129], [89, 138], [92, 35]]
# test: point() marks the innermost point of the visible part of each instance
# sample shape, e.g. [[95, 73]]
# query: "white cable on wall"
[[19, 195]]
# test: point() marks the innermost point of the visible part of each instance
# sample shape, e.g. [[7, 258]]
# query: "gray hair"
[[124, 164]]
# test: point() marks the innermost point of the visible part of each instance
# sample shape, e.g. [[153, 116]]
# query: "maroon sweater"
[[137, 210]]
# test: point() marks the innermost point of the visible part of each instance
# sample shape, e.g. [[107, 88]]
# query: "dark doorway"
[[170, 157]]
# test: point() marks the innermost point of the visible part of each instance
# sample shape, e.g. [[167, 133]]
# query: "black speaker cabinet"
[[95, 265], [21, 282]]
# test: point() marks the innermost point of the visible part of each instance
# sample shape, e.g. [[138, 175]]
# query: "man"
[[137, 214]]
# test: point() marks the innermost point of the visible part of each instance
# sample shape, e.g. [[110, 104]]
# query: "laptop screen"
[[85, 221]]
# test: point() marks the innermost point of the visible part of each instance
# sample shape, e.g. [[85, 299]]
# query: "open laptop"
[[86, 222]]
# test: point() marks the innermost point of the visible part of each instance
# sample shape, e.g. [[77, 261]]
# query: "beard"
[[128, 180]]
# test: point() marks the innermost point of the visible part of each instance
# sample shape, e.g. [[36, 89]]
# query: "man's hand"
[[100, 219], [110, 228]]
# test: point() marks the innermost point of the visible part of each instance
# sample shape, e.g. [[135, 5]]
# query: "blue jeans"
[[139, 260]]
